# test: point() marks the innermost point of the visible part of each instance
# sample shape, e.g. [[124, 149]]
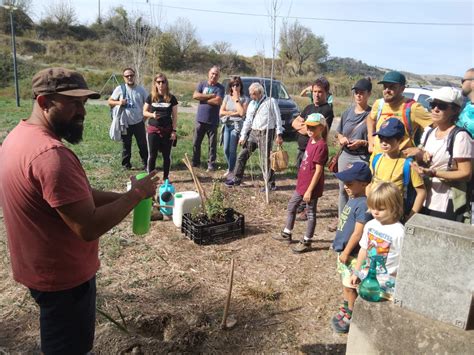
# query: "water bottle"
[[142, 213], [369, 288], [166, 194]]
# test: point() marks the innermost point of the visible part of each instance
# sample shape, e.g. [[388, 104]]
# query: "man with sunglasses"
[[466, 118], [210, 94], [131, 98], [393, 104]]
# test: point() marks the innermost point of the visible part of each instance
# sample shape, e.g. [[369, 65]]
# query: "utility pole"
[[10, 9], [99, 19]]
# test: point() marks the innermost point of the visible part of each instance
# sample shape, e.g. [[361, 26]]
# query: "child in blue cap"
[[351, 223], [392, 166]]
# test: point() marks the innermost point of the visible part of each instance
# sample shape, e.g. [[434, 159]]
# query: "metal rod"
[[15, 71]]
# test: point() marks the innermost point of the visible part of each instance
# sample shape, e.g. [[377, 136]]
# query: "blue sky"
[[422, 49]]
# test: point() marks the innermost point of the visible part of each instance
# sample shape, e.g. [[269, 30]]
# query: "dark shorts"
[[67, 319]]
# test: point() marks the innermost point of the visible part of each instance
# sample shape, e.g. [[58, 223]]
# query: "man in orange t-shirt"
[[395, 105]]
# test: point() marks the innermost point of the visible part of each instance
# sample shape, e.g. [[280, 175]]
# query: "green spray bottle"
[[369, 288], [142, 213]]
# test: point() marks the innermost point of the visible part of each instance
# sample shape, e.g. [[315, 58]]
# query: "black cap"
[[363, 84]]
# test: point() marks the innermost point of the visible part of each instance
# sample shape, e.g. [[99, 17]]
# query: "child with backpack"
[[392, 166], [382, 236], [351, 223], [309, 184]]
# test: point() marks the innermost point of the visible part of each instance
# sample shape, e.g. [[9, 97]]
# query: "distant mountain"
[[351, 67], [355, 67]]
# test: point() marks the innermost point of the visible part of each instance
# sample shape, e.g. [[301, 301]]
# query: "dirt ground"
[[162, 293]]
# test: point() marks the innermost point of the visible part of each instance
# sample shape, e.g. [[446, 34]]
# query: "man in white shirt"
[[262, 122]]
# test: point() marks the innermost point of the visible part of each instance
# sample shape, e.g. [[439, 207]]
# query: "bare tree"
[[183, 34], [61, 12], [222, 47], [300, 46]]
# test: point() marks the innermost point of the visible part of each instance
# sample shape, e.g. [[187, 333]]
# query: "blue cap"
[[391, 128], [357, 171]]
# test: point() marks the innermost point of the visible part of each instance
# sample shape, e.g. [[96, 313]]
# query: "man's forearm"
[[104, 197]]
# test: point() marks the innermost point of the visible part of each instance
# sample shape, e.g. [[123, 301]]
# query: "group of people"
[[54, 218], [396, 159]]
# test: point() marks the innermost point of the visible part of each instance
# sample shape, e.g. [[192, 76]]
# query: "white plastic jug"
[[184, 202]]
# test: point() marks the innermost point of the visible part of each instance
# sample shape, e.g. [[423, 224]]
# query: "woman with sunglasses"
[[161, 112], [232, 114], [446, 175]]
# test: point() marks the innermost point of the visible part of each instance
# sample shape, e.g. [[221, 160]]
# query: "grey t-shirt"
[[237, 121], [136, 97], [354, 211], [349, 121]]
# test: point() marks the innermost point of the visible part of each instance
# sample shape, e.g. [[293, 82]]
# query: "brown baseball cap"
[[61, 81]]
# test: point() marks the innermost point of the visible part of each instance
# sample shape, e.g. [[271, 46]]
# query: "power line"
[[329, 19]]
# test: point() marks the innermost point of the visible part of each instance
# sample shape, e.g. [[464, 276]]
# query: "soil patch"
[[162, 293]]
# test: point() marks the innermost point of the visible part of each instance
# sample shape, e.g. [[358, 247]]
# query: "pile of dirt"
[[163, 293]]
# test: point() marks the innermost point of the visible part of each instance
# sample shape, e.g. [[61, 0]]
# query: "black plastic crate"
[[214, 232]]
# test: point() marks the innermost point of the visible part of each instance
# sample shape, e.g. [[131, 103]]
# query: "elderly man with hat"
[[53, 217], [393, 104]]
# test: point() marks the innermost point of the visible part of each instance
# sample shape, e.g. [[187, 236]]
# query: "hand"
[[145, 187], [173, 136], [241, 141], [156, 115], [307, 196], [411, 152], [343, 140], [354, 280], [123, 102], [279, 140], [356, 143], [343, 258]]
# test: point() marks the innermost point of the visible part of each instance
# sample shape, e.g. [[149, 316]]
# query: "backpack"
[[406, 120], [449, 148], [409, 192]]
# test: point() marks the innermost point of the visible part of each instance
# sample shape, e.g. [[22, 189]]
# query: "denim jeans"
[[293, 204], [231, 139]]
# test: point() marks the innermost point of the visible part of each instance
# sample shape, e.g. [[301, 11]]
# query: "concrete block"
[[383, 328], [436, 273]]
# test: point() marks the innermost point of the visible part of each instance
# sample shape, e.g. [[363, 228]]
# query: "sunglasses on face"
[[129, 76], [441, 105], [160, 82], [236, 85], [464, 80]]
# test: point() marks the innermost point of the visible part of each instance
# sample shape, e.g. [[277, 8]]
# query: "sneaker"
[[283, 237], [302, 216], [232, 183], [343, 325], [339, 315], [303, 246], [211, 168]]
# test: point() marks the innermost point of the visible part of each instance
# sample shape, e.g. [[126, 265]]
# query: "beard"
[[70, 131]]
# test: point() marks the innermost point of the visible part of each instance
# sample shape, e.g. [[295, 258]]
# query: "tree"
[[62, 12], [22, 21], [183, 35], [300, 47], [168, 53]]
